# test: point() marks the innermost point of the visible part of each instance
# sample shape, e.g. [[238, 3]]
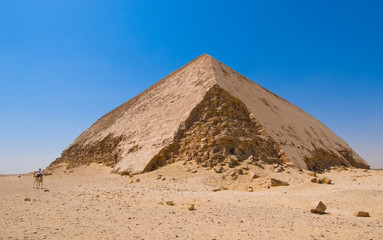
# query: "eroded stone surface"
[[104, 151], [219, 131]]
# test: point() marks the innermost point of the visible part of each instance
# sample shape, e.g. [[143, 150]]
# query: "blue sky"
[[64, 64]]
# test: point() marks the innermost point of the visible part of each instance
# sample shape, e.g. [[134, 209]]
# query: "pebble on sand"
[[320, 208], [218, 169], [362, 214], [275, 182], [170, 203], [253, 175], [324, 180]]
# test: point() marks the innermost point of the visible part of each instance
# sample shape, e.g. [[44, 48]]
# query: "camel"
[[38, 182]]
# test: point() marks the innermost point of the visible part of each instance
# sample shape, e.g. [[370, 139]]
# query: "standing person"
[[39, 173]]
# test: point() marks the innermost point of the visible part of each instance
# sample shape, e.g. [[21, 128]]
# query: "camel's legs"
[[38, 182]]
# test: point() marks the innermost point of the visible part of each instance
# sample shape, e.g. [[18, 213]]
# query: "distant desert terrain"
[[88, 202]]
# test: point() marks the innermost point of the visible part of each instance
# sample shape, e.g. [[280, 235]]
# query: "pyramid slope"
[[130, 135], [176, 119], [297, 132]]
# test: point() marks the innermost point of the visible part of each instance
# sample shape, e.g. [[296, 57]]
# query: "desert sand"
[[88, 202]]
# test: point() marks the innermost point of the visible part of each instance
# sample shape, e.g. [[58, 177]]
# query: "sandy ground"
[[90, 203]]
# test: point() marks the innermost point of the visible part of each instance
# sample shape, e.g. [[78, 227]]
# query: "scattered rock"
[[159, 176], [216, 189], [253, 175], [324, 180], [314, 180], [125, 173], [218, 169], [204, 164], [239, 171], [46, 190], [194, 171], [272, 159], [250, 189], [313, 174], [245, 167], [233, 160], [27, 199], [362, 214], [279, 169], [319, 209], [170, 203], [259, 164], [275, 182], [250, 160], [138, 180], [191, 207], [289, 165], [274, 166]]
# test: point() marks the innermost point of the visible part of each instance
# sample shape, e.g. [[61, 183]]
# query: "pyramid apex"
[[205, 55]]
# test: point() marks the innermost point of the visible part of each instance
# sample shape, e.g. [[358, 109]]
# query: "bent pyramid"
[[207, 112]]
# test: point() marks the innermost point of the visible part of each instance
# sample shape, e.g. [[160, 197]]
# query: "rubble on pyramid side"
[[211, 114], [219, 131]]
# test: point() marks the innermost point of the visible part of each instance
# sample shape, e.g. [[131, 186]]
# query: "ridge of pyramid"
[[158, 126]]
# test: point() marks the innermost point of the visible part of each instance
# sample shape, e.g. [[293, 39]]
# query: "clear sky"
[[64, 64]]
